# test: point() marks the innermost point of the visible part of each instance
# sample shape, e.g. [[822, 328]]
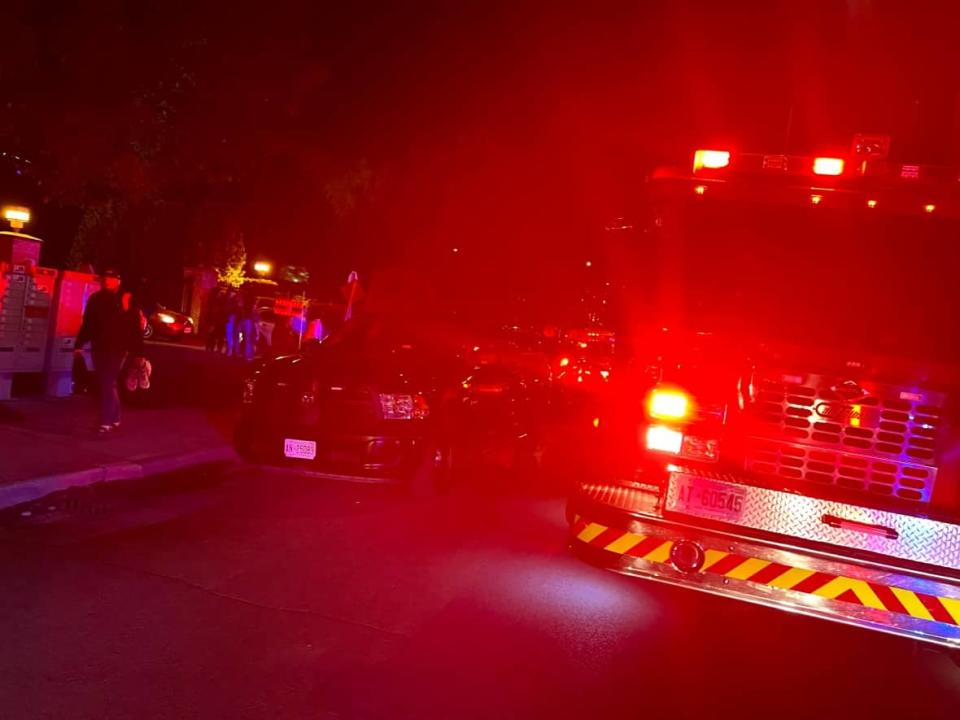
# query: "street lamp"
[[16, 216], [262, 268]]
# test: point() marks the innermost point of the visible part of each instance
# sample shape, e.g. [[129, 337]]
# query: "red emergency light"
[[670, 404], [710, 159], [827, 166]]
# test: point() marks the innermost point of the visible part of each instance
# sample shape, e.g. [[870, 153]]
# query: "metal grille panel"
[[847, 470], [804, 428]]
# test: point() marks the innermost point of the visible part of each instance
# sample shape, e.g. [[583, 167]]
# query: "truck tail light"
[[827, 166], [710, 159], [668, 404], [664, 439]]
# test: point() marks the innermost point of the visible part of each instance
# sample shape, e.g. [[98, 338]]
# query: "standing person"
[[216, 320], [248, 326], [109, 330], [232, 322], [315, 330]]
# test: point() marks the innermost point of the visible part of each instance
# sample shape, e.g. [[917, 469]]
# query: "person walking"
[[112, 333]]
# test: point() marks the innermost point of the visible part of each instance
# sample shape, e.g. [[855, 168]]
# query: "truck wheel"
[[434, 472]]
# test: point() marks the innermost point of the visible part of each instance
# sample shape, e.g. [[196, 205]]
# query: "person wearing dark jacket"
[[112, 333], [233, 312]]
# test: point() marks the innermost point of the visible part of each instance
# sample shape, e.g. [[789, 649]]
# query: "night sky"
[[342, 135]]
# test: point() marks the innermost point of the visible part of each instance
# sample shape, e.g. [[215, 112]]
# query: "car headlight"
[[403, 407], [166, 318]]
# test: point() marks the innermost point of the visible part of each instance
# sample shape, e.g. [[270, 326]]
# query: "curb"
[[36, 488]]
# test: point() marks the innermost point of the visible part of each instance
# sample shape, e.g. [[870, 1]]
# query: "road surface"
[[255, 594]]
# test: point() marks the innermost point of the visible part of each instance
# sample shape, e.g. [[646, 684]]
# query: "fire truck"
[[787, 432]]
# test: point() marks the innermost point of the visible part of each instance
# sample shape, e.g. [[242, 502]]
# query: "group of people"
[[113, 325], [232, 323]]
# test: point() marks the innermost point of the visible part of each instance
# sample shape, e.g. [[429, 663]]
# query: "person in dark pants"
[[248, 328], [233, 311], [112, 334], [216, 320]]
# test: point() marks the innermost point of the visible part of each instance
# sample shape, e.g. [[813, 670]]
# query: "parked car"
[[168, 324], [386, 397]]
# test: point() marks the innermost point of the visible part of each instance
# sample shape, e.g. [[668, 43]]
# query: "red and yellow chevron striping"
[[764, 572]]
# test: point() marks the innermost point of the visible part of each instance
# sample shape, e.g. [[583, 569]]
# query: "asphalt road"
[[254, 594]]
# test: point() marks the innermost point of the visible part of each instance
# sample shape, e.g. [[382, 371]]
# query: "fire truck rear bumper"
[[826, 585]]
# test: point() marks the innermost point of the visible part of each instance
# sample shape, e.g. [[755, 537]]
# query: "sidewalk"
[[49, 444]]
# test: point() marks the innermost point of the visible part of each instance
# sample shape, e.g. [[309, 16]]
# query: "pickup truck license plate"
[[707, 498], [300, 449]]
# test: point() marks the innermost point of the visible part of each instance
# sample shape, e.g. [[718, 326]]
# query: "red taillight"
[[668, 404], [664, 439], [710, 159], [827, 166]]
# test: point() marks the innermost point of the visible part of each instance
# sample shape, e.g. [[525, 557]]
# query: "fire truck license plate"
[[706, 498], [300, 449]]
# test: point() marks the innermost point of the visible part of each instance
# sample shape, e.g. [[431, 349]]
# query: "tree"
[[230, 260]]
